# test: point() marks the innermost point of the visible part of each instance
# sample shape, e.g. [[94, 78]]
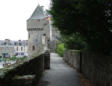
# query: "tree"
[[91, 18], [64, 14]]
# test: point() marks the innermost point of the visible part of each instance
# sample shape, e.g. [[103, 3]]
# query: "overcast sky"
[[13, 16]]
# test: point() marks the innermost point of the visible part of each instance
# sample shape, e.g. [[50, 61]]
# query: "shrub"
[[60, 49]]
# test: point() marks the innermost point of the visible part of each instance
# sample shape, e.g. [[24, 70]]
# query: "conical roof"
[[38, 13]]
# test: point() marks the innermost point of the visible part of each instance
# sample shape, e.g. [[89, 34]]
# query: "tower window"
[[44, 34], [33, 47], [29, 35]]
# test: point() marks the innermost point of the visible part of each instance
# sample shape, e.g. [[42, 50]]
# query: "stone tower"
[[38, 32]]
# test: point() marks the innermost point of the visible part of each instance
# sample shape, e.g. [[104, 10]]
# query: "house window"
[[17, 48], [22, 54], [16, 54], [4, 43], [15, 43], [21, 48], [20, 44], [33, 47]]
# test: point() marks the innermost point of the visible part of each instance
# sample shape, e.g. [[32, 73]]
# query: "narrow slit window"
[[33, 47], [29, 35]]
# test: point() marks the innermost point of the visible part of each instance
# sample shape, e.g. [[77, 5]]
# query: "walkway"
[[60, 74]]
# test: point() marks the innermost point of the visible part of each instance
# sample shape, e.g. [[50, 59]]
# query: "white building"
[[20, 48], [38, 31]]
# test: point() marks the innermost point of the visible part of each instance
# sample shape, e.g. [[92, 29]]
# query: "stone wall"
[[95, 67], [27, 73], [72, 57]]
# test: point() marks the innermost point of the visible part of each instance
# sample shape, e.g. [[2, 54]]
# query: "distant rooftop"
[[38, 13], [16, 43]]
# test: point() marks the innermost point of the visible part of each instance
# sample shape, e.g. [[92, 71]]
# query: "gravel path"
[[60, 74]]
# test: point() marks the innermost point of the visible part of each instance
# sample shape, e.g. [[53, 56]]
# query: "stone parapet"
[[95, 67], [29, 71]]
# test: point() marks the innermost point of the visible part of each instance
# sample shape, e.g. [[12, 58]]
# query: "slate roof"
[[16, 43], [38, 13]]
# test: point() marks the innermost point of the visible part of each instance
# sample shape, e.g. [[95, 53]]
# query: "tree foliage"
[[74, 41], [91, 18]]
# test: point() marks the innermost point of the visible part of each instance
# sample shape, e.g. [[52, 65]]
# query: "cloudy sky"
[[13, 16]]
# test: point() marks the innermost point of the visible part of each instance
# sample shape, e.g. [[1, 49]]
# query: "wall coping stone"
[[73, 50]]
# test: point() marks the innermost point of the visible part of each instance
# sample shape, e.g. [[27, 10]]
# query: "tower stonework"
[[38, 32]]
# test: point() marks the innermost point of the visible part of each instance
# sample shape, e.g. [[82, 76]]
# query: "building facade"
[[9, 48], [7, 51]]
